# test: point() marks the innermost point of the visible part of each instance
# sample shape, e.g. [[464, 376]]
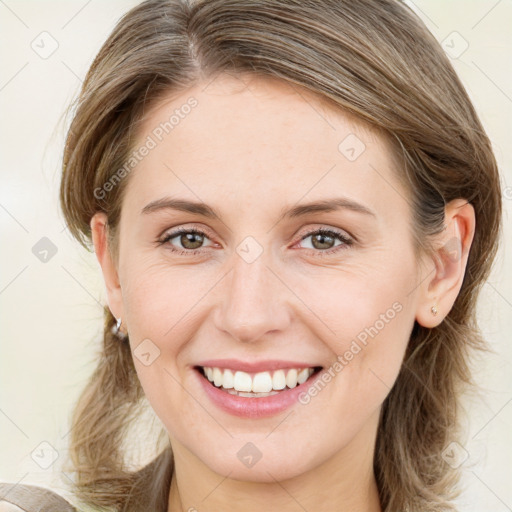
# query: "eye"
[[323, 241], [191, 240]]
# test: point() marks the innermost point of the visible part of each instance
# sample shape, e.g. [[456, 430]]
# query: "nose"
[[253, 302]]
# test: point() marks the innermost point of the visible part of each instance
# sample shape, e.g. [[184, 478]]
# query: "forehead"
[[251, 106], [255, 137]]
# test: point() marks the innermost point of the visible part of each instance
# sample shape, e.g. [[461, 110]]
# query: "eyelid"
[[346, 240], [171, 233], [187, 226], [339, 234], [326, 228]]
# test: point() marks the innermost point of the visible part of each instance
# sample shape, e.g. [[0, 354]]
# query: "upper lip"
[[255, 366]]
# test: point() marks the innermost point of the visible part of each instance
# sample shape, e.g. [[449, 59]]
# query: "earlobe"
[[440, 288], [99, 232]]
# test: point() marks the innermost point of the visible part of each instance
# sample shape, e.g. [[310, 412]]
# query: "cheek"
[[363, 314], [161, 304], [367, 318], [371, 361], [160, 299], [359, 303]]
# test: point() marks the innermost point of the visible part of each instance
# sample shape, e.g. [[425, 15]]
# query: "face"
[[258, 282]]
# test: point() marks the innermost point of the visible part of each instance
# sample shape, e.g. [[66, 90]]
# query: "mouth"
[[256, 384]]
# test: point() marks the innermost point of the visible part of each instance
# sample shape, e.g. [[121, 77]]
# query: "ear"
[[446, 269], [99, 231]]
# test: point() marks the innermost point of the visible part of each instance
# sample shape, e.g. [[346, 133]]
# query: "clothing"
[[152, 487], [32, 498]]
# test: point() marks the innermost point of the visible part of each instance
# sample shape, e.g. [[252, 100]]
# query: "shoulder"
[[31, 498], [9, 507]]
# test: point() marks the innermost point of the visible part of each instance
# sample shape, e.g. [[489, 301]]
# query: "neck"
[[345, 482]]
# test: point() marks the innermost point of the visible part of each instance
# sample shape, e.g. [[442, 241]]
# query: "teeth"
[[242, 382], [262, 383], [251, 395], [259, 384], [279, 380], [217, 377], [303, 376], [291, 378], [228, 380]]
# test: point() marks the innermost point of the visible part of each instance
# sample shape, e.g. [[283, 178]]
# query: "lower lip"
[[248, 407]]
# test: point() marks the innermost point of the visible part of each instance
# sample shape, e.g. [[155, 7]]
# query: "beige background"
[[50, 311]]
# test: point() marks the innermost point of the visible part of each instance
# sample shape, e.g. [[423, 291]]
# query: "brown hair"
[[373, 59]]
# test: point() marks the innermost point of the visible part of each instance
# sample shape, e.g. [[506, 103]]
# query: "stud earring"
[[117, 330], [433, 309]]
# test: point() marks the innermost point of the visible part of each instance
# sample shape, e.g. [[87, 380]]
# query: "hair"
[[372, 59]]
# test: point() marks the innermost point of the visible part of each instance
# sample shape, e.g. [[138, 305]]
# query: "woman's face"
[[258, 169]]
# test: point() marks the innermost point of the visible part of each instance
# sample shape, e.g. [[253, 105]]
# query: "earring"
[[117, 330], [433, 309]]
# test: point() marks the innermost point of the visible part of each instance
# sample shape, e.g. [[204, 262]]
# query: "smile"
[[259, 384], [255, 394]]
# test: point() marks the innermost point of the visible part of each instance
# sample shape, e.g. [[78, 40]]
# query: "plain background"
[[51, 311]]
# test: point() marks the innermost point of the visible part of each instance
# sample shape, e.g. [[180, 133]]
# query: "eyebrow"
[[199, 208]]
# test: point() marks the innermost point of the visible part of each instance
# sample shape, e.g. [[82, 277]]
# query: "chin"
[[264, 471], [257, 460]]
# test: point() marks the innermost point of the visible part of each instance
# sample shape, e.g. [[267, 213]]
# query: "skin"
[[250, 149]]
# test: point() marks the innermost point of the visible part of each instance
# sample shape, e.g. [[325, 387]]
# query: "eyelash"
[[347, 242]]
